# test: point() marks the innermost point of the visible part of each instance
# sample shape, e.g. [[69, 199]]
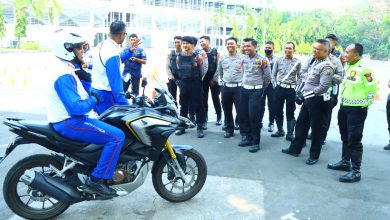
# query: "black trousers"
[[250, 105], [172, 88], [215, 91], [269, 94], [388, 115], [135, 85], [351, 124], [333, 102], [191, 93], [313, 115], [282, 95], [230, 96]]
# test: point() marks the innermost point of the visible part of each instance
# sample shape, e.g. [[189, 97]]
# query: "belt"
[[252, 87], [284, 85], [231, 85]]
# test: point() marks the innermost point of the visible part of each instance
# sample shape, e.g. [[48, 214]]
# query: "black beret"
[[188, 39]]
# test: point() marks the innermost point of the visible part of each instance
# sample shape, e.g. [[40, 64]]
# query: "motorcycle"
[[43, 186]]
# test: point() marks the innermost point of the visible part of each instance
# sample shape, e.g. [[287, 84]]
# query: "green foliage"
[[367, 23], [2, 23], [21, 22], [304, 48], [32, 45]]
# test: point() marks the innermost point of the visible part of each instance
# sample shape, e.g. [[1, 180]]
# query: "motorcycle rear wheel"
[[174, 189], [17, 203]]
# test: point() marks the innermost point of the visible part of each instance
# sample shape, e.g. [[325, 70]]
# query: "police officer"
[[230, 74], [337, 78], [257, 73], [191, 68], [269, 90], [333, 43], [315, 103], [106, 76], [285, 72], [171, 67], [357, 92], [387, 147], [210, 80], [134, 64]]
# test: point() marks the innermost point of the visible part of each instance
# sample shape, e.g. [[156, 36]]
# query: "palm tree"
[[220, 19], [39, 8], [248, 14]]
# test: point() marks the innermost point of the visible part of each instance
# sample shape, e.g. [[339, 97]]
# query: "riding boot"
[[290, 130]]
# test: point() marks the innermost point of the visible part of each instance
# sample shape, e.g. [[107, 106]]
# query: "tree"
[[39, 8], [2, 25]]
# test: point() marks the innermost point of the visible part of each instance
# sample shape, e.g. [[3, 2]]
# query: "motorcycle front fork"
[[176, 166]]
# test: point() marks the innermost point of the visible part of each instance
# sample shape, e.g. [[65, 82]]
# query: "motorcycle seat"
[[46, 129]]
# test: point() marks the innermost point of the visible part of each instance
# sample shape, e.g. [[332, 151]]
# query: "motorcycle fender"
[[11, 146], [179, 151]]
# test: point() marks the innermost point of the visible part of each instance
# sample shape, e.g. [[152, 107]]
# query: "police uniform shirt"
[[257, 70], [229, 69], [339, 69], [271, 61], [284, 66], [319, 77], [168, 66]]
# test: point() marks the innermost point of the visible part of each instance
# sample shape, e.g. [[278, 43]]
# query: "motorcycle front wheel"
[[28, 202], [171, 187]]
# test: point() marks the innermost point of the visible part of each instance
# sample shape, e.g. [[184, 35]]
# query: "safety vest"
[[359, 86], [212, 59], [188, 66]]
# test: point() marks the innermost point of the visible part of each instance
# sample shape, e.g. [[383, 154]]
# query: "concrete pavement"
[[241, 185]]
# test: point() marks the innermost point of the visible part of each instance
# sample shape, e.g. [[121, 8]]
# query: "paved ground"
[[265, 185]]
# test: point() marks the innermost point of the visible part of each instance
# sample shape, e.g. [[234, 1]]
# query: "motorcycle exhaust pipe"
[[51, 187]]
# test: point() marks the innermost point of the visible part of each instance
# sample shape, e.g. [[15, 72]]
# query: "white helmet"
[[64, 43]]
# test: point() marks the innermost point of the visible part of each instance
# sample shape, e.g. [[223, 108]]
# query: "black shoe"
[[309, 136], [199, 133], [224, 127], [254, 148], [278, 134], [311, 161], [290, 137], [351, 177], [387, 147], [204, 126], [219, 120], [270, 127], [245, 142], [228, 134], [100, 187], [342, 165], [287, 151], [192, 125], [236, 127], [180, 132]]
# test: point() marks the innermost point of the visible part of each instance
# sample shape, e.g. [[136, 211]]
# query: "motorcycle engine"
[[124, 173]]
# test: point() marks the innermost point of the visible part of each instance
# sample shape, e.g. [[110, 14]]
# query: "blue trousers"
[[82, 128], [106, 101]]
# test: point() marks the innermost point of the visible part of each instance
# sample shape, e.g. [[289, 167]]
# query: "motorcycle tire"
[[11, 182], [167, 194]]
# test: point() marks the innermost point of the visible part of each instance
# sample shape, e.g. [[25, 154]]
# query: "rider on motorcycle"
[[68, 108]]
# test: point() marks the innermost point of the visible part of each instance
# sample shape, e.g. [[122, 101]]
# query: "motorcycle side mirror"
[[144, 82]]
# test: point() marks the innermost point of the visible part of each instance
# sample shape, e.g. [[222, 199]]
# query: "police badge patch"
[[368, 77]]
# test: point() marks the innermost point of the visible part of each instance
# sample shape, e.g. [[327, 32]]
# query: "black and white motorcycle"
[[43, 186]]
